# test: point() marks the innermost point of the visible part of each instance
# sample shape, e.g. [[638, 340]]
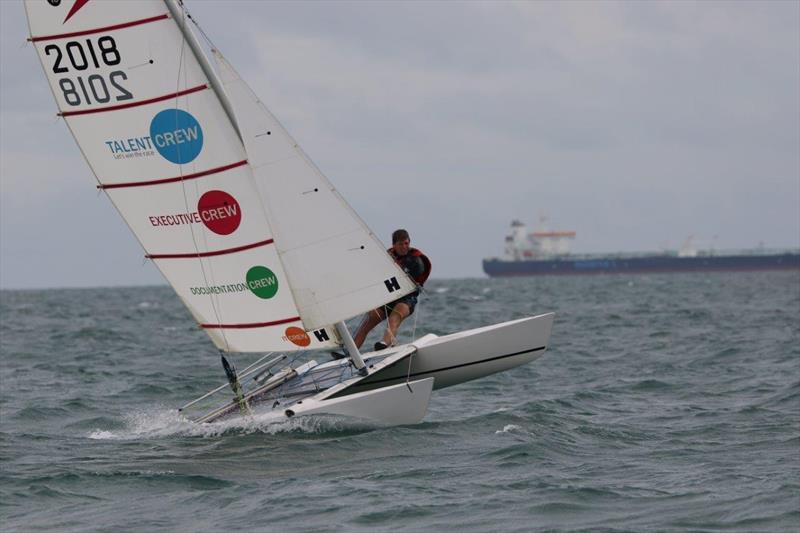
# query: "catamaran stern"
[[468, 355]]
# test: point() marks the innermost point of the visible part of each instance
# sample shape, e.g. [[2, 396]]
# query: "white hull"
[[471, 354], [398, 386], [394, 405]]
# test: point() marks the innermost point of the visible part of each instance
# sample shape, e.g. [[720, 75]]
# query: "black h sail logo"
[[321, 335], [391, 284]]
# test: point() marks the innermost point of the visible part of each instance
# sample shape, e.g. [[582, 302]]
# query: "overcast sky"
[[635, 124]]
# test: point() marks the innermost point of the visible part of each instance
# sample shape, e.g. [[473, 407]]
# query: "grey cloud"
[[634, 123]]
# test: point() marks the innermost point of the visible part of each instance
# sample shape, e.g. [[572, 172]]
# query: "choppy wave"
[[662, 403]]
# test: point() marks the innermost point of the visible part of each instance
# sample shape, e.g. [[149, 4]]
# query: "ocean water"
[[664, 402]]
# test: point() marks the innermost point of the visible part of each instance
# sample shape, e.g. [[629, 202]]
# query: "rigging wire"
[[408, 373], [413, 338], [417, 315], [200, 29]]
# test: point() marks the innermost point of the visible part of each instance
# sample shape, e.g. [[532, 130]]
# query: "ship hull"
[[642, 265]]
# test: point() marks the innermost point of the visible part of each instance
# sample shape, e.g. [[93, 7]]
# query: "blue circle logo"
[[177, 136]]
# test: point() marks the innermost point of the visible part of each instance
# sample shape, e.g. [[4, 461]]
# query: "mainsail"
[[163, 148], [256, 242]]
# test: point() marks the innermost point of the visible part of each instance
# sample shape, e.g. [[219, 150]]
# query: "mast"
[[176, 10], [352, 349]]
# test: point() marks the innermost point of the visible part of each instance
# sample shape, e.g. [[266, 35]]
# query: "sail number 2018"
[[93, 88]]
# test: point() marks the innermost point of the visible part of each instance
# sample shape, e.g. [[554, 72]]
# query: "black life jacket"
[[413, 252]]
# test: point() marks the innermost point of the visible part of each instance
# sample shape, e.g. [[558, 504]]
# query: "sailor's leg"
[[399, 313], [371, 319]]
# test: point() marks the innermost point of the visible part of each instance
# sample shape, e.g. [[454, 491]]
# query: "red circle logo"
[[298, 336], [220, 212]]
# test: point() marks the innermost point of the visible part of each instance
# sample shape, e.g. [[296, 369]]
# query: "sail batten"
[[185, 177], [149, 101], [92, 31], [254, 325], [212, 253]]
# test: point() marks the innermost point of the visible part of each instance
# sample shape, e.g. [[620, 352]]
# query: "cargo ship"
[[546, 252]]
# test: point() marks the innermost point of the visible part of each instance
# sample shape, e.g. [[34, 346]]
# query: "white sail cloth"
[[336, 266], [258, 244], [160, 144]]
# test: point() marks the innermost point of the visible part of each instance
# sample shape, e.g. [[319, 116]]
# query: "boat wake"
[[158, 423]]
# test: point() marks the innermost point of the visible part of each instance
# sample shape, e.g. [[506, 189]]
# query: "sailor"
[[418, 267]]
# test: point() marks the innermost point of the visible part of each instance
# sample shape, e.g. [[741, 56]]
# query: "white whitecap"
[[508, 429], [99, 434]]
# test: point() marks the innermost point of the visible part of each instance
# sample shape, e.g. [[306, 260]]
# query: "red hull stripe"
[[195, 255], [176, 178], [255, 325], [135, 104], [99, 30]]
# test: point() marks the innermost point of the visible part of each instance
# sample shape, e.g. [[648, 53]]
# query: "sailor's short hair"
[[400, 235]]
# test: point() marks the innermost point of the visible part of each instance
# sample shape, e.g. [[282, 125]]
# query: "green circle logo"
[[262, 282]]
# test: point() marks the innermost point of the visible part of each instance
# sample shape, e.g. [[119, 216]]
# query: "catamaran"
[[258, 244]]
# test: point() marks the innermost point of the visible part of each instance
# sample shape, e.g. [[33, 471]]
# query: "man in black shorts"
[[418, 267]]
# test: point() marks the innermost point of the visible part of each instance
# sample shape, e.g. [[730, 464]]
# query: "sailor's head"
[[401, 242]]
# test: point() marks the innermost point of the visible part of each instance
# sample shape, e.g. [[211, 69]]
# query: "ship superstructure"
[[543, 244]]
